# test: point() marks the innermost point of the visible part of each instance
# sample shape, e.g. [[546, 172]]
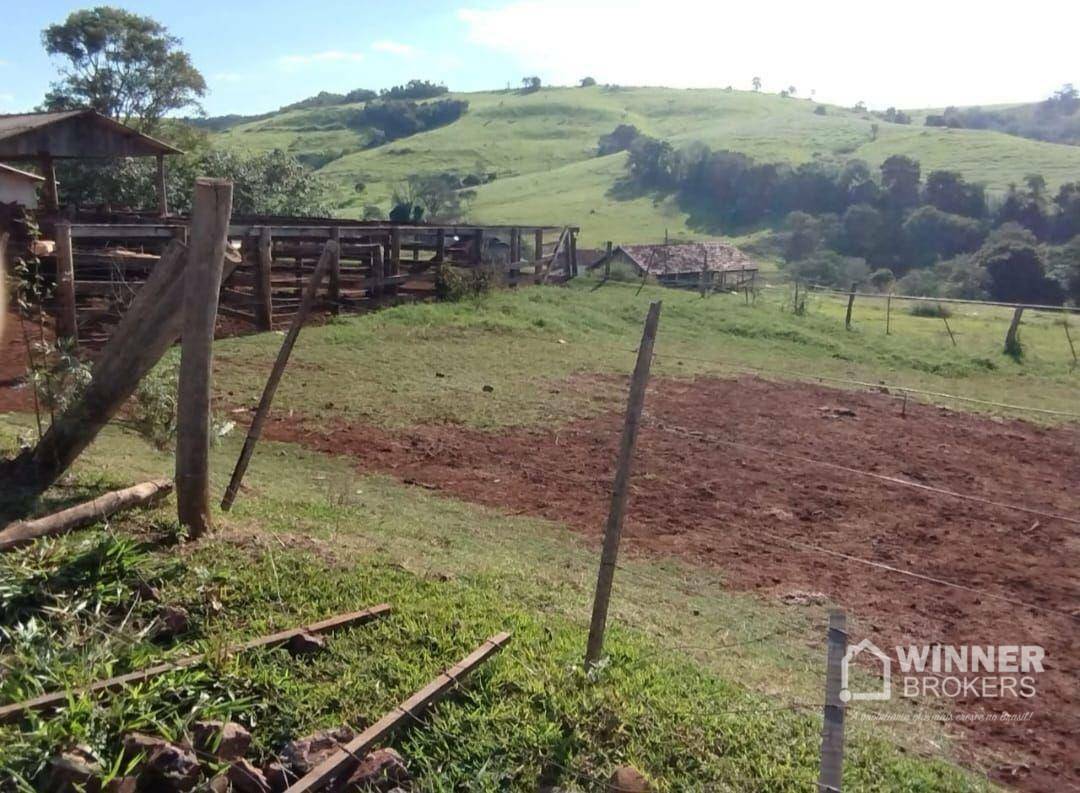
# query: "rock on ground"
[[304, 754], [226, 741]]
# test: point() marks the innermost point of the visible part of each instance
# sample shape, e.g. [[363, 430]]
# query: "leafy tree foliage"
[[530, 85], [619, 139], [269, 183], [1015, 267], [126, 66], [587, 82], [931, 235], [392, 119], [949, 192], [414, 89]]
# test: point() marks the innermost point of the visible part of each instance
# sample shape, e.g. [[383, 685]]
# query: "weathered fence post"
[[607, 260], [515, 245], [334, 286], [1012, 337], [832, 733], [888, 311], [67, 325], [440, 246], [162, 191], [945, 319], [330, 254], [377, 270], [395, 251], [477, 256], [210, 213], [264, 291], [850, 303], [1068, 337], [619, 493], [573, 254]]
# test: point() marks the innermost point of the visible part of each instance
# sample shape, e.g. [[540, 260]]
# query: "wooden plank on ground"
[[25, 532], [10, 712], [409, 709]]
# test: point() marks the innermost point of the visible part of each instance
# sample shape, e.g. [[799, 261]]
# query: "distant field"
[[542, 146]]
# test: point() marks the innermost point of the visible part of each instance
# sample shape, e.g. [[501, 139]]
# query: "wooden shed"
[[19, 187], [682, 264], [76, 135]]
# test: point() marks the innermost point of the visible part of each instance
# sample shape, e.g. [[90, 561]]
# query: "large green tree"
[[124, 65]]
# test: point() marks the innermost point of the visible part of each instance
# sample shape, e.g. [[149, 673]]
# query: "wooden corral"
[[379, 264]]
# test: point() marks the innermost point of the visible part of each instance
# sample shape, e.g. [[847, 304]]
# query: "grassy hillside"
[[542, 146]]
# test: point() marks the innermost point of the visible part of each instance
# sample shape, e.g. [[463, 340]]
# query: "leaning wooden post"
[[67, 325], [477, 257], [1012, 337], [264, 290], [334, 286], [377, 269], [440, 246], [945, 319], [850, 303], [1064, 324], [620, 491], [211, 209], [607, 260], [832, 733], [326, 262]]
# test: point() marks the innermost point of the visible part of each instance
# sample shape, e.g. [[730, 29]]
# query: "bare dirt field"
[[713, 505]]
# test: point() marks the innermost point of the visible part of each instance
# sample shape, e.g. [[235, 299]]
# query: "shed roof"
[[690, 257], [15, 173], [72, 134]]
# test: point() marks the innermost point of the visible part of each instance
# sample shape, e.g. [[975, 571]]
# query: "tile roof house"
[[683, 263]]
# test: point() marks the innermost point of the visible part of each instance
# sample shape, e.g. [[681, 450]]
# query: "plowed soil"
[[713, 505]]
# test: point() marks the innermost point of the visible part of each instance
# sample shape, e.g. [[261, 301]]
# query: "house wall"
[[15, 190]]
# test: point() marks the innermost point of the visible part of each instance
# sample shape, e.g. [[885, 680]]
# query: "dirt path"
[[710, 504]]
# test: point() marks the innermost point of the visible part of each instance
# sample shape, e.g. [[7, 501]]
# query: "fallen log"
[[57, 698], [26, 531], [410, 708]]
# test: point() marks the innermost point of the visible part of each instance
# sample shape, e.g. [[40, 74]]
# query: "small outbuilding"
[[682, 264], [44, 138], [19, 187]]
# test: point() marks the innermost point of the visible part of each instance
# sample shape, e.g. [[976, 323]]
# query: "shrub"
[[453, 285], [936, 310]]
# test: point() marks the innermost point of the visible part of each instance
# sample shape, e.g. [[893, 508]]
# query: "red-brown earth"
[[715, 505]]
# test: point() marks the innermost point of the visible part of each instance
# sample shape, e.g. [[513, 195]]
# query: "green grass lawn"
[[542, 146], [430, 362], [699, 686], [697, 691]]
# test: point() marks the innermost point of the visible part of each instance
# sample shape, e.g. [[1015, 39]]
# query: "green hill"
[[542, 147]]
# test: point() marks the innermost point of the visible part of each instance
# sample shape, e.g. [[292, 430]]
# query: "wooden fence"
[[99, 267]]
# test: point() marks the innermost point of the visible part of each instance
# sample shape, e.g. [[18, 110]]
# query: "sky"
[[257, 55]]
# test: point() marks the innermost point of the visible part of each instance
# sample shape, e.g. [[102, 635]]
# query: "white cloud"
[[930, 53], [393, 48], [228, 77], [327, 56], [7, 99]]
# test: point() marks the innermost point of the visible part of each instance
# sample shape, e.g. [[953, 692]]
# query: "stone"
[[147, 591], [382, 770], [172, 621], [74, 769], [127, 784], [137, 743], [626, 779], [304, 754], [277, 776], [226, 741], [246, 778], [170, 768], [219, 784], [306, 643]]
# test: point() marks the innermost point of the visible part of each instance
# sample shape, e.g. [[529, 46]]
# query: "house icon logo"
[[846, 694]]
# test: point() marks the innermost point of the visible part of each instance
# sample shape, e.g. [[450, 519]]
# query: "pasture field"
[[542, 146], [455, 459]]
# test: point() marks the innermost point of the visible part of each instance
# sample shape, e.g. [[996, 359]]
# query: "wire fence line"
[[822, 289]]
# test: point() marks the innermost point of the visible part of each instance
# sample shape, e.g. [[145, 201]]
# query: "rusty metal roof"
[[70, 134], [692, 257]]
